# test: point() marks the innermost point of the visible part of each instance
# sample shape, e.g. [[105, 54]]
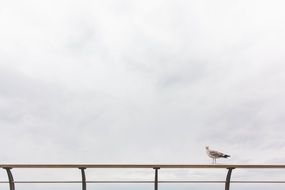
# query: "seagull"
[[215, 154]]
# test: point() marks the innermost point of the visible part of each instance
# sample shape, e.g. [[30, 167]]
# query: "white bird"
[[215, 154]]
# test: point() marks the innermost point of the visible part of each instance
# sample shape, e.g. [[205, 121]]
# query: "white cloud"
[[148, 81]]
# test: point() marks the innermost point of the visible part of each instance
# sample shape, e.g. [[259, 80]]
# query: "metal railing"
[[155, 167]]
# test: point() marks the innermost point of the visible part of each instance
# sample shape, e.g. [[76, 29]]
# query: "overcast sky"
[[122, 81]]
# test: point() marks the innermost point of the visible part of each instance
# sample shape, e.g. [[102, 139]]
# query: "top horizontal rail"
[[167, 166]]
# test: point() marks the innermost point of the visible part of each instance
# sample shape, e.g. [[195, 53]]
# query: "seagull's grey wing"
[[216, 153]]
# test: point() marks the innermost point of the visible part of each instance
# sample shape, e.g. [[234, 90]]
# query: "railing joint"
[[156, 177], [228, 179], [83, 176], [10, 177]]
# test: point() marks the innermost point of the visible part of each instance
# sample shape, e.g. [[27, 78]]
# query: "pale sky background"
[[153, 81]]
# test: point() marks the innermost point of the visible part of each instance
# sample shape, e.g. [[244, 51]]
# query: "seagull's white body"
[[215, 154]]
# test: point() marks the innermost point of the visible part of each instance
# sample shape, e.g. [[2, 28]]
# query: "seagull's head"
[[207, 147]]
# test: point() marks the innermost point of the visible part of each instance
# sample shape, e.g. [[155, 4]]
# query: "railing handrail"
[[156, 167], [166, 166]]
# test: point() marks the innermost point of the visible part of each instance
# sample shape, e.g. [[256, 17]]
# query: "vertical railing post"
[[10, 177], [228, 179], [83, 178], [156, 178]]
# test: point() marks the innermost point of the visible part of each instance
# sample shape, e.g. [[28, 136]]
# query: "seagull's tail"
[[226, 156]]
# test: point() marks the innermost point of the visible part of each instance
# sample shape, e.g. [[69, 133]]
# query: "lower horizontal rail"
[[57, 182]]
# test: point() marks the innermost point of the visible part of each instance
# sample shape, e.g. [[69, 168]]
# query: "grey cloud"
[[144, 81]]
